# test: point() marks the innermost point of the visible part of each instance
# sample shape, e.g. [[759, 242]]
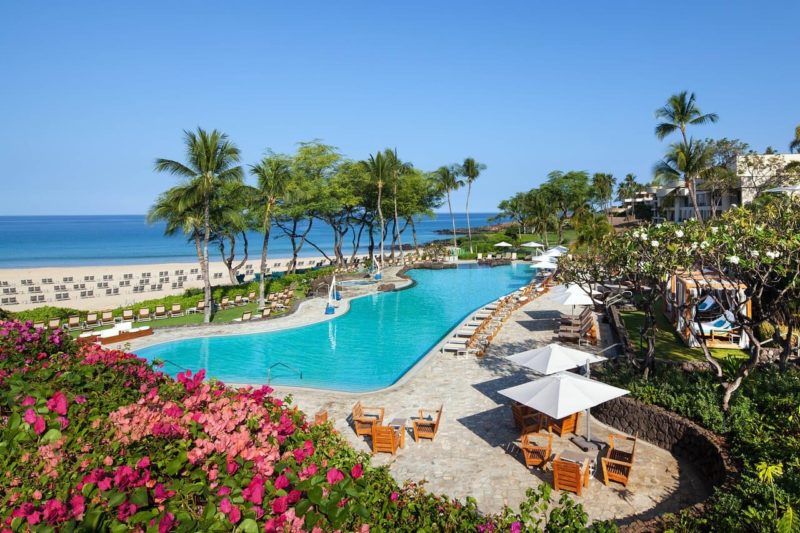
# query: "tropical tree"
[[273, 174], [229, 222], [603, 190], [397, 169], [569, 192], [628, 188], [592, 229], [379, 170], [447, 180], [794, 146], [541, 213], [687, 162], [470, 169], [516, 208], [211, 161], [679, 112]]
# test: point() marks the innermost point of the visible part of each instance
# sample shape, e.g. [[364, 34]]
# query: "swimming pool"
[[368, 348]]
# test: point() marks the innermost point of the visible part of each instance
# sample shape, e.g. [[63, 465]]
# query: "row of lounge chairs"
[[569, 473], [578, 329], [387, 438]]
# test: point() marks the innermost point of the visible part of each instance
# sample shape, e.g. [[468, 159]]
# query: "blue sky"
[[93, 92]]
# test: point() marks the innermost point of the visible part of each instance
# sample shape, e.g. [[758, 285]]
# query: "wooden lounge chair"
[[577, 319], [426, 426], [54, 323], [144, 314], [161, 312], [384, 439], [176, 310], [536, 454], [92, 321], [224, 303], [107, 318], [574, 335], [246, 316], [364, 418], [238, 300], [251, 296], [564, 426], [127, 315], [38, 325], [265, 312], [74, 322], [570, 476], [617, 464]]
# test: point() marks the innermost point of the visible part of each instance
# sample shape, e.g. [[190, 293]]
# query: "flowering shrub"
[[99, 439]]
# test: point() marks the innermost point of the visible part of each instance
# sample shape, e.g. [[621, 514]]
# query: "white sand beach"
[[104, 287]]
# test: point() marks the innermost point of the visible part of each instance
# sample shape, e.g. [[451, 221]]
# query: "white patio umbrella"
[[554, 358], [504, 244], [532, 244], [563, 394], [544, 265], [572, 298], [559, 290]]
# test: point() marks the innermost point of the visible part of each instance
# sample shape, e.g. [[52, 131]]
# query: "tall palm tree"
[[210, 161], [396, 169], [470, 169], [685, 161], [794, 146], [628, 188], [603, 189], [273, 173], [447, 181], [379, 171]]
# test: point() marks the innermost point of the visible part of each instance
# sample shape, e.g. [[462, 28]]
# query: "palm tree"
[[273, 174], [447, 181], [603, 189], [379, 170], [210, 161], [628, 189], [592, 229], [396, 169], [685, 161], [471, 169], [178, 209], [794, 146]]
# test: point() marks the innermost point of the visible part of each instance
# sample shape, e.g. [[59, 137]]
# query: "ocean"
[[42, 241]]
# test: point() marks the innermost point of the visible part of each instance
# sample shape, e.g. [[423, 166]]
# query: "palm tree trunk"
[[396, 233], [692, 186], [469, 229], [204, 262], [380, 215], [453, 220], [262, 283], [414, 234]]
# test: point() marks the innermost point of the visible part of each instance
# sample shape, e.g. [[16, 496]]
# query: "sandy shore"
[[105, 287]]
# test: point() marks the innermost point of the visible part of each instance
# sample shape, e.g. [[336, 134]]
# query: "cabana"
[[694, 309]]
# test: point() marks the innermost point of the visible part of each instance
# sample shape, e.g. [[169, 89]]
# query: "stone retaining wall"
[[681, 437]]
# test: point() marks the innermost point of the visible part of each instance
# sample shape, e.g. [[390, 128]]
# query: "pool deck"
[[310, 311], [475, 452]]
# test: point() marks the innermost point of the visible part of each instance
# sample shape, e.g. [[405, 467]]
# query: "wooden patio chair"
[[384, 440], [161, 312], [618, 464], [38, 325], [107, 318], [224, 303], [54, 323], [564, 426], [238, 300], [570, 476], [427, 425], [535, 454], [127, 315], [74, 322], [246, 316], [364, 418], [265, 312], [144, 314], [176, 310], [92, 321]]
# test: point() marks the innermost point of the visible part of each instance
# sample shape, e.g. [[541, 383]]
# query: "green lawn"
[[668, 343]]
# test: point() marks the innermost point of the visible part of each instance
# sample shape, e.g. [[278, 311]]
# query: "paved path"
[[475, 452]]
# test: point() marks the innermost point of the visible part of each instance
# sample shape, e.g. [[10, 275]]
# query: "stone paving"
[[475, 452]]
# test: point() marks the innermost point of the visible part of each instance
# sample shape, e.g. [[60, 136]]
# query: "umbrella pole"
[[588, 412]]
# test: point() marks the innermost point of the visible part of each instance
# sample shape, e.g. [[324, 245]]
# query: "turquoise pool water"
[[368, 348]]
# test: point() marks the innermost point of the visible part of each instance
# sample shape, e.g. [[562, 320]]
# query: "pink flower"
[[334, 476], [232, 467], [281, 482], [58, 403], [160, 494], [166, 523], [393, 496], [125, 511], [294, 496], [235, 515], [80, 399], [39, 426], [224, 491], [225, 506], [64, 421], [55, 512], [516, 527], [357, 471], [37, 495], [29, 417], [28, 401], [78, 504], [279, 505], [144, 462], [255, 491]]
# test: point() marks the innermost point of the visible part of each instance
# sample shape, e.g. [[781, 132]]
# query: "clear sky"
[[92, 92]]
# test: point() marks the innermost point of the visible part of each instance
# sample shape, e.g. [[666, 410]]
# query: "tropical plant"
[[627, 189], [470, 169], [447, 180], [685, 161], [379, 170], [794, 146], [592, 229], [569, 192], [211, 160], [273, 174], [603, 190]]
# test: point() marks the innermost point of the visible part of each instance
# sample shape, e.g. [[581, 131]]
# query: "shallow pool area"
[[368, 348]]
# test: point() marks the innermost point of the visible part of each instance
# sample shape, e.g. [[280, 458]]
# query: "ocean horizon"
[[84, 240]]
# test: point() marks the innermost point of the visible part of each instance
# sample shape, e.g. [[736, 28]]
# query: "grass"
[[669, 345], [484, 242]]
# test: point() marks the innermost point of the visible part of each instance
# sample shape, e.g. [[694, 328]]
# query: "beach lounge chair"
[[570, 476], [534, 453], [265, 312], [74, 322], [161, 312], [719, 327], [92, 321], [238, 300], [251, 296], [427, 425], [176, 310], [246, 316], [707, 304], [384, 439], [54, 323], [224, 303], [617, 464], [144, 314], [127, 315], [564, 426], [107, 318], [38, 325], [365, 418]]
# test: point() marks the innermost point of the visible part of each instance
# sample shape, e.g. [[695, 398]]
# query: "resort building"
[[755, 173]]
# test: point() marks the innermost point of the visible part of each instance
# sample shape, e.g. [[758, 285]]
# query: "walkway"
[[474, 453]]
